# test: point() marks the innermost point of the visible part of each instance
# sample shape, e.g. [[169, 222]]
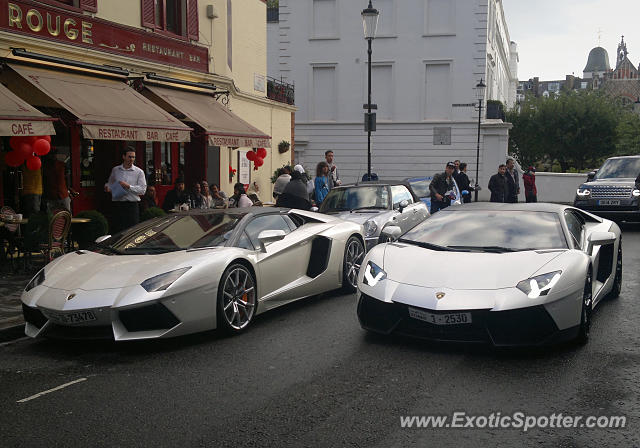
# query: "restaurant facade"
[[181, 81]]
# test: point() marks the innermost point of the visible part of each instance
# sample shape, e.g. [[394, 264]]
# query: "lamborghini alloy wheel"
[[236, 298], [353, 256]]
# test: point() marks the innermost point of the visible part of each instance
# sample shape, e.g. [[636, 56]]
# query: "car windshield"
[[421, 187], [355, 198], [483, 230], [619, 168], [173, 233]]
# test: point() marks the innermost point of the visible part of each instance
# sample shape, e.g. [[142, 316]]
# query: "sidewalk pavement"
[[11, 321]]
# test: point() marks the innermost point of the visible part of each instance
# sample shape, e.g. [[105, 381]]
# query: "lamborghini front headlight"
[[373, 274], [163, 281], [540, 285]]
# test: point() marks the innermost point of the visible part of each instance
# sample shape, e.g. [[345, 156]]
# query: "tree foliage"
[[574, 129]]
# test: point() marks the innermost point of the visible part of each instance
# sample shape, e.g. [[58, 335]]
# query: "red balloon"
[[251, 155], [259, 161], [26, 149], [41, 147], [15, 143], [31, 139], [262, 153], [34, 163], [14, 158], [45, 137]]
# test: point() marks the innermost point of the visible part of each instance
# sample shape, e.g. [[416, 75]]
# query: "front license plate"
[[440, 319], [71, 318], [609, 202]]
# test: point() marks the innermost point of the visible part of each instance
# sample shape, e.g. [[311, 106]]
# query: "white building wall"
[[427, 58]]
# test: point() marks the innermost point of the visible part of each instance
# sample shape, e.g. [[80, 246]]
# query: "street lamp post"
[[480, 89], [369, 23]]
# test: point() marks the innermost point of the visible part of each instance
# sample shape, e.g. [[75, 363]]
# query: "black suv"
[[613, 191]]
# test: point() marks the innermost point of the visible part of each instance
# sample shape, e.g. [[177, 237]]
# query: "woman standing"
[[321, 182]]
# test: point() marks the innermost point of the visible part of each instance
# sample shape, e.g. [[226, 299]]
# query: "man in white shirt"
[[334, 179], [126, 184]]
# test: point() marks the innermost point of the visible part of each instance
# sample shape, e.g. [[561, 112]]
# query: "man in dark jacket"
[[513, 182], [295, 194], [498, 185], [439, 186], [463, 182], [176, 196]]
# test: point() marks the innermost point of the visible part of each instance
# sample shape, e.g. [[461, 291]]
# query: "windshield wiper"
[[369, 207], [156, 249], [494, 249], [430, 246]]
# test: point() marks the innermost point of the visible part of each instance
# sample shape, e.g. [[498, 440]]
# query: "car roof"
[[380, 182], [521, 206]]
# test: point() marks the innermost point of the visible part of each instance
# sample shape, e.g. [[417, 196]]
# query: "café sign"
[[25, 17]]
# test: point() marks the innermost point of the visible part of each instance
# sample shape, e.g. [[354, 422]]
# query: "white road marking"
[[39, 394], [4, 344]]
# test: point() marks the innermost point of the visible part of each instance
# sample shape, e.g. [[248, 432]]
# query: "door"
[[408, 218], [163, 164], [282, 268]]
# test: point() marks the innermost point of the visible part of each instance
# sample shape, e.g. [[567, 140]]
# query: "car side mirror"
[[599, 239], [270, 236], [591, 175], [403, 204], [390, 233], [100, 239]]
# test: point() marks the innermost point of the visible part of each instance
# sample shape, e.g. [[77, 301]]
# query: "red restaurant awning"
[[223, 127], [107, 109], [21, 119]]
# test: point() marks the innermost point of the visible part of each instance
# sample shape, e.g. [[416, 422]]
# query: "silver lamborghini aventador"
[[192, 271], [506, 274]]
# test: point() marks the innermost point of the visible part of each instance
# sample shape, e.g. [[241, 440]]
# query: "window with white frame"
[[325, 19], [437, 91], [324, 93], [439, 17], [382, 87]]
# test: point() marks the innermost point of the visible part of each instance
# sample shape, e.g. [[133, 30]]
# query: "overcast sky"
[[554, 37]]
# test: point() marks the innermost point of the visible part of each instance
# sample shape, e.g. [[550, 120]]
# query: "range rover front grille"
[[610, 192]]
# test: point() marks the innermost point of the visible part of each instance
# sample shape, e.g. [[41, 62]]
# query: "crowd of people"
[[504, 185]]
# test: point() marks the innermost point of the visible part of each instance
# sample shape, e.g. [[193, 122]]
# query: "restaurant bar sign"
[[97, 34], [105, 132], [239, 142]]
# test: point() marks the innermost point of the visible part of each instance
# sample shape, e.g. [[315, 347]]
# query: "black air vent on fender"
[[319, 259]]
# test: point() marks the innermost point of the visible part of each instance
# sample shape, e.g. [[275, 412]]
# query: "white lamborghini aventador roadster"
[[192, 271], [507, 274]]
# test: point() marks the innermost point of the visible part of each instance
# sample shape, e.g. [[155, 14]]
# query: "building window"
[[171, 16], [324, 91], [83, 5], [439, 17], [325, 19], [438, 91], [177, 17], [382, 75]]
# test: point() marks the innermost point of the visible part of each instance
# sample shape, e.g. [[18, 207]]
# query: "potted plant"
[[283, 146]]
